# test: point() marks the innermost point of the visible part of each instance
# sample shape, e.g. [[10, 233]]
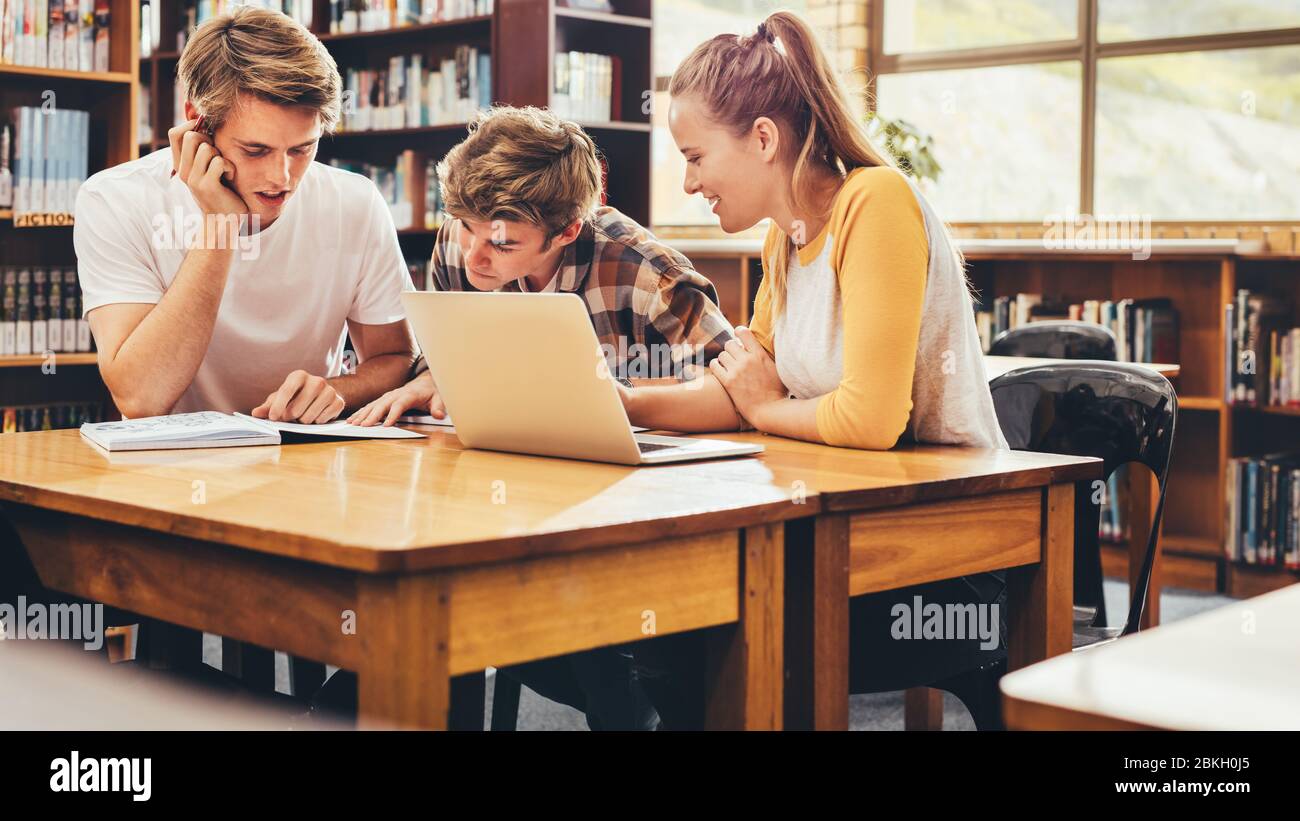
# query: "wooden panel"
[[1245, 582], [1040, 597], [260, 599], [1176, 570], [1029, 715], [922, 709], [507, 613], [896, 547]]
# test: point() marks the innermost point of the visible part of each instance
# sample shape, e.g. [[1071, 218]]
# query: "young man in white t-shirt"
[[226, 272]]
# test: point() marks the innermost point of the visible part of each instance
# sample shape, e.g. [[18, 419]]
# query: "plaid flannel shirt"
[[653, 313]]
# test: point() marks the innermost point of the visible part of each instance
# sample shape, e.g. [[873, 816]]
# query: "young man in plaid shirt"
[[521, 193]]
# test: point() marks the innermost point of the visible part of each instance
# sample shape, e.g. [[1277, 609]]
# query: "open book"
[[210, 429]]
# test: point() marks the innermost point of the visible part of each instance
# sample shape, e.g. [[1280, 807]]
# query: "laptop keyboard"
[[647, 447]]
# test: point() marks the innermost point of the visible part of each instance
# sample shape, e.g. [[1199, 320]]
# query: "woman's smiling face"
[[736, 175]]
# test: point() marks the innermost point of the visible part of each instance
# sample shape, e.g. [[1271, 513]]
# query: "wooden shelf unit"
[[531, 32], [110, 97]]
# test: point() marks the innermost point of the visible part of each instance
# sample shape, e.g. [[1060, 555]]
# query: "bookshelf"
[[530, 32], [39, 241]]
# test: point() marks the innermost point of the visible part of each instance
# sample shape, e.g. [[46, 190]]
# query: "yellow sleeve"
[[760, 322], [880, 256]]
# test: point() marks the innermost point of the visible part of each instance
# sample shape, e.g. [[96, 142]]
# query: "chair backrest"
[[1057, 339], [1117, 412]]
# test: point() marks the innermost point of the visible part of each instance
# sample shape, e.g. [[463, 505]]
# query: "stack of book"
[[72, 35], [587, 87], [409, 186], [40, 313], [1263, 510], [350, 16], [409, 94], [198, 12], [1263, 355], [50, 159], [1146, 330], [60, 416]]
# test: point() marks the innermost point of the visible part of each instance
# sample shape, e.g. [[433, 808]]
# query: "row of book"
[[1263, 510], [51, 156], [40, 313], [411, 94], [587, 87], [349, 16], [72, 35], [1146, 330], [58, 416], [1263, 355], [409, 186]]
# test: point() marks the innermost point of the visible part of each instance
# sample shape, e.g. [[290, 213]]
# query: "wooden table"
[[908, 516], [414, 561], [1233, 668]]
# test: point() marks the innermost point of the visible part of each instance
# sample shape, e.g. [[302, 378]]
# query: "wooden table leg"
[[1144, 494], [745, 667], [1040, 597], [817, 623], [404, 679], [922, 709]]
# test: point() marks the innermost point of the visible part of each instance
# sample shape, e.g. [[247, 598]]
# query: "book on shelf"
[[586, 87], [1146, 330], [410, 94], [351, 16], [1262, 497], [144, 125], [198, 12], [39, 312], [587, 5], [211, 429], [53, 416], [1263, 351], [54, 34], [409, 186], [50, 159]]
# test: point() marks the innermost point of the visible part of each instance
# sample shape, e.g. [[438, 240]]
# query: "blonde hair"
[[263, 53], [780, 72], [523, 165]]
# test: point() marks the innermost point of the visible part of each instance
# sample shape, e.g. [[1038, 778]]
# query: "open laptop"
[[524, 373]]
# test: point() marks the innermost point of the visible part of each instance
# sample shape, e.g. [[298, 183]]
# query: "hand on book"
[[201, 167], [304, 398], [419, 393]]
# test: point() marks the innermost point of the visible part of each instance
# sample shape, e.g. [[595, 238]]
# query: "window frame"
[[1084, 48]]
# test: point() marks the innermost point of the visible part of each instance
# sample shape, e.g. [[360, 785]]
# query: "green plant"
[[911, 148]]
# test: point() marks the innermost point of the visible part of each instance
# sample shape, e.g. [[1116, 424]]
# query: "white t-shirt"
[[332, 256]]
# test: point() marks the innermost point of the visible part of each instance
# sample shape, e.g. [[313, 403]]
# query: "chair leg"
[[505, 703], [922, 709], [978, 690], [305, 677]]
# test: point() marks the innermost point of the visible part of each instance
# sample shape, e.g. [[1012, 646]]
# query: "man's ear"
[[767, 138], [569, 234], [190, 111]]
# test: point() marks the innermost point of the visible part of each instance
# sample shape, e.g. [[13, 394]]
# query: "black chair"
[[1057, 339], [1068, 339], [1117, 412]]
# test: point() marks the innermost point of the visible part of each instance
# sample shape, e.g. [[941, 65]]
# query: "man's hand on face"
[[202, 168], [304, 398]]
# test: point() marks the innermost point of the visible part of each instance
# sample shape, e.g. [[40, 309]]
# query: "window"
[[680, 26], [1177, 109]]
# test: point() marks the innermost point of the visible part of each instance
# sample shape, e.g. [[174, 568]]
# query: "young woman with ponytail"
[[863, 330]]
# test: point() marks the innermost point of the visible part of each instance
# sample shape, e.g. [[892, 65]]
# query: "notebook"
[[210, 429]]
